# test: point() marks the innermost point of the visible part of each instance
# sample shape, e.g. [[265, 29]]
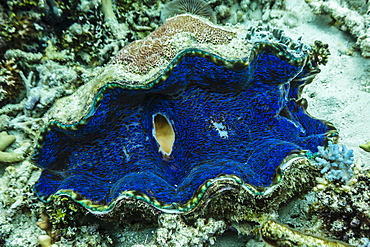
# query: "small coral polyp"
[[196, 7], [109, 158]]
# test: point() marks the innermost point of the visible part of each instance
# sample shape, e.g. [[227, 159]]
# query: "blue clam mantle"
[[235, 120]]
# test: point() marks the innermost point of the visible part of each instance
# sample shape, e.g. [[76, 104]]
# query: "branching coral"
[[18, 30], [320, 52], [336, 162], [54, 81], [10, 82]]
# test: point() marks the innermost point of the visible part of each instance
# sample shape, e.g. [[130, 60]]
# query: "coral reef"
[[45, 224], [342, 210], [18, 207], [280, 235], [336, 162], [49, 87], [172, 231], [48, 78], [50, 48], [195, 7], [18, 30], [11, 84], [5, 141], [350, 16], [89, 31], [248, 11]]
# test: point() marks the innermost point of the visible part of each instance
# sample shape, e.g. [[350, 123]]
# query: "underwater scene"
[[228, 123]]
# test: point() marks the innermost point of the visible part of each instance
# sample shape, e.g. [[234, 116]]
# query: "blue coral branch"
[[336, 162]]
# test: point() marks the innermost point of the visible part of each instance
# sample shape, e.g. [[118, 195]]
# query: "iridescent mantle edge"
[[287, 184]]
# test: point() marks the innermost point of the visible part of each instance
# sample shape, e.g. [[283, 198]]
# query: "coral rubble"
[[350, 16], [173, 232], [5, 141], [280, 235], [342, 210]]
